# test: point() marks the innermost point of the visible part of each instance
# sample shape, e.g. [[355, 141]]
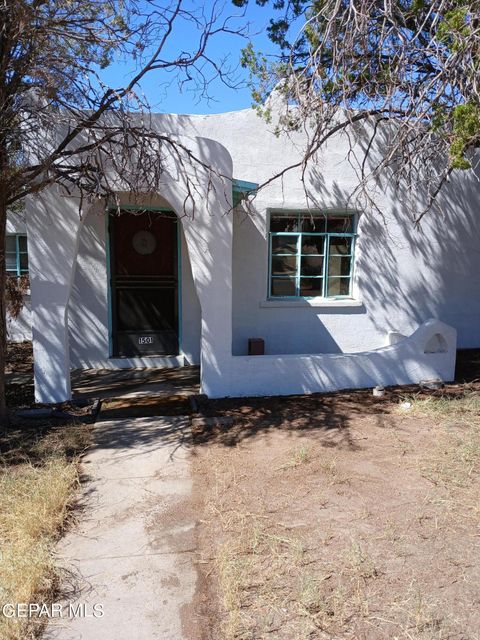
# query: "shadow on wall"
[[426, 271], [191, 314], [19, 329], [52, 225], [405, 274], [88, 308]]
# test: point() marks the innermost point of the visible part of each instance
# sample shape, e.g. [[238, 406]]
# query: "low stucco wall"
[[429, 353]]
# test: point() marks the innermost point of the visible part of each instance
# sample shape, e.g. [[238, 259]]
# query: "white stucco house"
[[341, 297]]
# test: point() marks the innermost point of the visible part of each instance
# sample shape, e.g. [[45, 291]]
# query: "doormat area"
[[145, 406]]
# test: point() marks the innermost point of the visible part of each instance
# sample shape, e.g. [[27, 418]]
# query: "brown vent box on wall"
[[256, 347]]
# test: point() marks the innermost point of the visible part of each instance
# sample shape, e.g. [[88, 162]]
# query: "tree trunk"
[[4, 418]]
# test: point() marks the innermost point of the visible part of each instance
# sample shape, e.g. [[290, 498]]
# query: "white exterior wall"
[[53, 230], [402, 276], [69, 279]]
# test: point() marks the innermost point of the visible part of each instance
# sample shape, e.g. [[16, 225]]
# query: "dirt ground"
[[342, 516], [19, 374]]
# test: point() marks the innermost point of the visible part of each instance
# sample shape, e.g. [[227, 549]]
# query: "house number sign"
[[145, 340]]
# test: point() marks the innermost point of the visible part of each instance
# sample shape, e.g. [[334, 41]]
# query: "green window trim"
[[321, 282], [16, 254]]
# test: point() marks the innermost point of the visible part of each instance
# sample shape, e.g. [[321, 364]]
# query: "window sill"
[[339, 303]]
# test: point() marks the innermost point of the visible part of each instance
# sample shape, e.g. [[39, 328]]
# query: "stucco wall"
[[88, 309], [402, 277], [20, 328], [88, 306], [428, 354]]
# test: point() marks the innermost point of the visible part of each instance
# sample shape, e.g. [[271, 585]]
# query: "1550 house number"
[[145, 340]]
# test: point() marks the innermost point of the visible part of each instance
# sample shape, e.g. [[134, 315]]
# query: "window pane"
[[23, 262], [340, 224], [338, 266], [310, 287], [284, 244], [10, 244], [312, 265], [283, 287], [11, 262], [338, 287], [313, 244], [284, 265], [313, 223], [341, 246], [283, 223], [22, 243]]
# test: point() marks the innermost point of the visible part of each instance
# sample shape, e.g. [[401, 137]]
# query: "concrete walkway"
[[133, 549]]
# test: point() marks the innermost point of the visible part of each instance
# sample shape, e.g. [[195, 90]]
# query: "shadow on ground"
[[142, 433], [105, 383], [147, 393], [329, 415]]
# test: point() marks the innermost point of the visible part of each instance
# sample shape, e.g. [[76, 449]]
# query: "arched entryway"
[[200, 194]]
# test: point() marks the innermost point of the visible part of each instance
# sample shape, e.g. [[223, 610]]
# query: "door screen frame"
[[109, 256]]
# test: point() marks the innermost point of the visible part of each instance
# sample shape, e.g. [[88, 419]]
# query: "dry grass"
[[455, 454], [463, 408], [365, 534], [37, 487], [299, 455], [272, 587], [268, 576], [250, 568]]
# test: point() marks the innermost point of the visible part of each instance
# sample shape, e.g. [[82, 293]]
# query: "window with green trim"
[[16, 254], [311, 255]]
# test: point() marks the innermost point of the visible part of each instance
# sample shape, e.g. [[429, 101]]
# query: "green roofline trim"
[[241, 189]]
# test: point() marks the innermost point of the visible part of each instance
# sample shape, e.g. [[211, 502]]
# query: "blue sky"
[[163, 91]]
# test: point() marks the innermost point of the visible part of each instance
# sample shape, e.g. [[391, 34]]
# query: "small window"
[[311, 255], [16, 255]]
